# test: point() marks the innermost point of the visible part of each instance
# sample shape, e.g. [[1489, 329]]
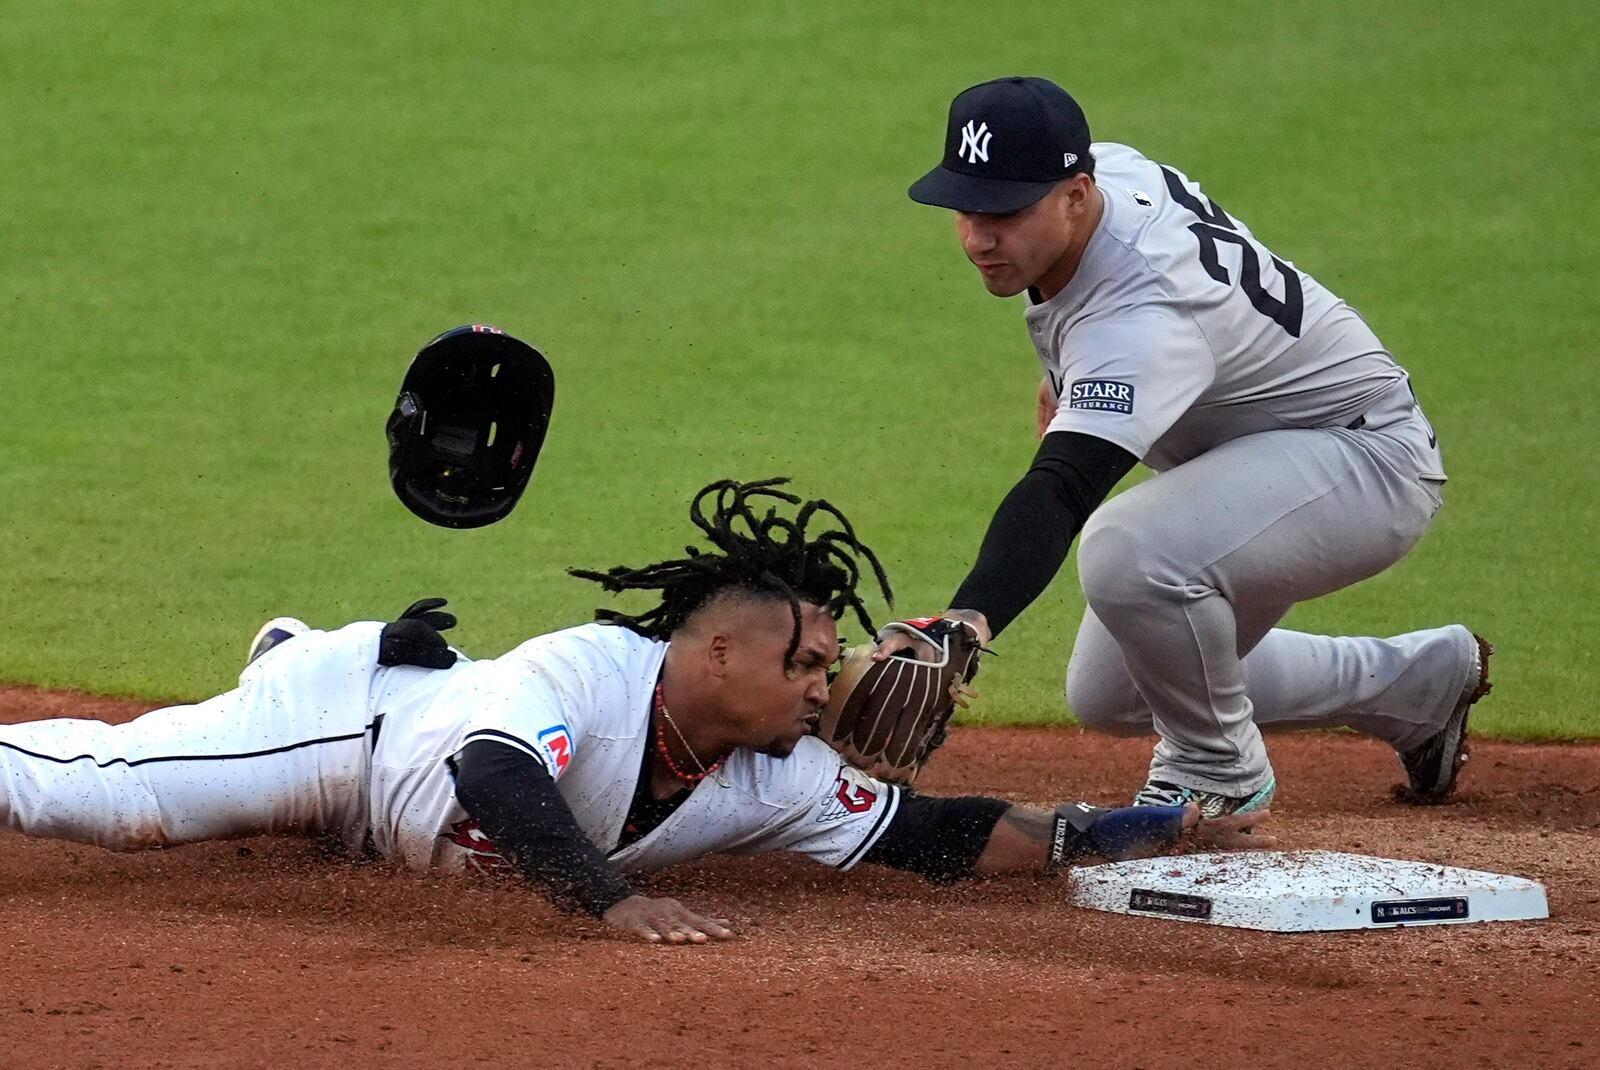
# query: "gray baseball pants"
[[1186, 575]]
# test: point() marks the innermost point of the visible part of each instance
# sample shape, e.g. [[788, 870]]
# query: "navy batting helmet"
[[468, 425]]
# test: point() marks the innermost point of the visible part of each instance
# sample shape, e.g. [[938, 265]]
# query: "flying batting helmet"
[[468, 425]]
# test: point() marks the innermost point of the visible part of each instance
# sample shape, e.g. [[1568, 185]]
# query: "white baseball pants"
[[287, 751]]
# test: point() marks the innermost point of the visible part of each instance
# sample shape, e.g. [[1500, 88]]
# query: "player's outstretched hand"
[[664, 921], [1231, 832]]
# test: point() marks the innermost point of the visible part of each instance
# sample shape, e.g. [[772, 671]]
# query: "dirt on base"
[[268, 953]]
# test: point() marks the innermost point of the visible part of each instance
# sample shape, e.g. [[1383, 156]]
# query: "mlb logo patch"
[[556, 746], [1102, 395]]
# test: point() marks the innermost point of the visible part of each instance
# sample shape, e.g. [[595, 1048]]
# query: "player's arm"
[[515, 802], [951, 839], [514, 799], [1032, 530], [1024, 839], [1155, 363]]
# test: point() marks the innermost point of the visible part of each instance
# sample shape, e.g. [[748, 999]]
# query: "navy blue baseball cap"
[[1007, 144]]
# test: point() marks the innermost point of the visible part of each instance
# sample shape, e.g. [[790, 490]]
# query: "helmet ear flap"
[[468, 426]]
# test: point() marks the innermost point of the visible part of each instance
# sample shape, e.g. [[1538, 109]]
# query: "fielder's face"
[[1032, 246], [774, 705]]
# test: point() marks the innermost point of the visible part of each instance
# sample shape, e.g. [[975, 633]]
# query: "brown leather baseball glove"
[[887, 717]]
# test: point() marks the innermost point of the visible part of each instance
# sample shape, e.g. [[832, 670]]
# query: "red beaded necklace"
[[661, 747]]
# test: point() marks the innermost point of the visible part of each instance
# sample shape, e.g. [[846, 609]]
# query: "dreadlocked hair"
[[764, 554]]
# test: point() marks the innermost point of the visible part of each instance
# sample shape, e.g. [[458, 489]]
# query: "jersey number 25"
[[1215, 225]]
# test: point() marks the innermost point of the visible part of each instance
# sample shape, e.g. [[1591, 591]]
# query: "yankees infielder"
[[1291, 454], [575, 760]]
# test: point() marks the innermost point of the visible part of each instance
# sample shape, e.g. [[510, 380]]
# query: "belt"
[[1379, 407]]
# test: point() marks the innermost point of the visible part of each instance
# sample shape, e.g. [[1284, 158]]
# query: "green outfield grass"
[[227, 227]]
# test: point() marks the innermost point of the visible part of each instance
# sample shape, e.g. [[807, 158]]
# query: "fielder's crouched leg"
[[1099, 692]]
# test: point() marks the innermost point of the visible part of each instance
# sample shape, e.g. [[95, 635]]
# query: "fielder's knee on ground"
[[1102, 697]]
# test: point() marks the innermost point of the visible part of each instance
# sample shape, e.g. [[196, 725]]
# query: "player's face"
[[1019, 249], [772, 704]]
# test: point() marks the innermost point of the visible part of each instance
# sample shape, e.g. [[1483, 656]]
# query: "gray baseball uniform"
[[1292, 459]]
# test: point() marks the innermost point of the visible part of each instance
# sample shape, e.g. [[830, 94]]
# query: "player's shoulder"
[[1118, 271], [1137, 193], [1127, 176], [1112, 157], [587, 644], [1139, 267], [1152, 206], [587, 658]]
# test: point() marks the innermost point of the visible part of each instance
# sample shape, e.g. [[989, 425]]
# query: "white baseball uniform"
[[1292, 460], [318, 738]]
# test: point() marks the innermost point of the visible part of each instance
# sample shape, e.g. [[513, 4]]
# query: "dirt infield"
[[266, 953]]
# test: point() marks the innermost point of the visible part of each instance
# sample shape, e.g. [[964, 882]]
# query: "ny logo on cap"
[[975, 143]]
